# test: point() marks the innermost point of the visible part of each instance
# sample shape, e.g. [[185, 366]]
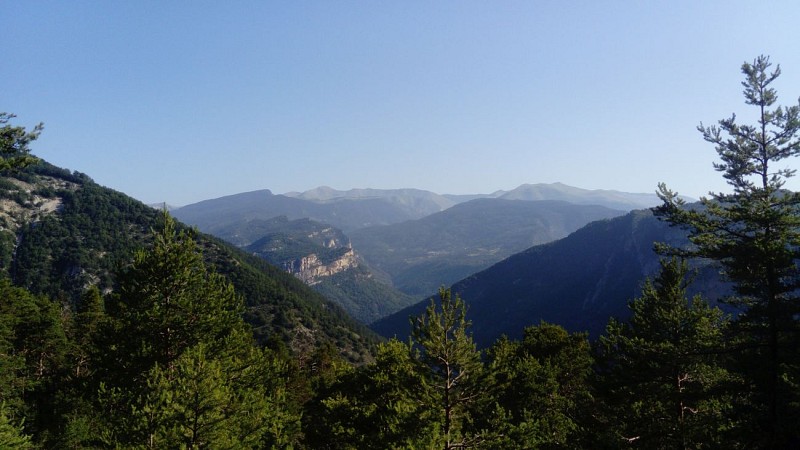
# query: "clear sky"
[[181, 101]]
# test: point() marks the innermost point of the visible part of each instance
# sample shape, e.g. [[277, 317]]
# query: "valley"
[[410, 242]]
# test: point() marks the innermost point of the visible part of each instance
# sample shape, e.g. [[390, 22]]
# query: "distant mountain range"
[[417, 202], [411, 239], [425, 202], [345, 213], [625, 201], [578, 282], [442, 248], [360, 208]]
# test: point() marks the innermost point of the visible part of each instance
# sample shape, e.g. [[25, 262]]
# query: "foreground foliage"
[[661, 372], [178, 357], [166, 361]]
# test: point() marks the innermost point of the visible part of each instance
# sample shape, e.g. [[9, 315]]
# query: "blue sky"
[[185, 101]]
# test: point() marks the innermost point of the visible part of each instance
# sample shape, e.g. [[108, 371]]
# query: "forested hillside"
[[121, 328], [578, 282], [64, 233], [323, 258], [404, 261]]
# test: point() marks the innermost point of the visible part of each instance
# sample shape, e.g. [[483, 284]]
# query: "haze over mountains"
[[405, 242], [344, 213], [516, 257], [548, 252], [440, 249], [415, 240], [577, 282], [360, 208]]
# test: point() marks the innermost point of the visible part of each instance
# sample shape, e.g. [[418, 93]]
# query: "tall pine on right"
[[754, 233]]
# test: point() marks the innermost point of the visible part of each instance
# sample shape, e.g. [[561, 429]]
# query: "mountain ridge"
[[340, 207], [578, 282], [442, 248], [560, 191]]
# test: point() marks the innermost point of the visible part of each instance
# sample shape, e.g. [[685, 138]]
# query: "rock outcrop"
[[311, 269]]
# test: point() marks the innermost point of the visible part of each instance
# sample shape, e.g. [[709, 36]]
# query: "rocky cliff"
[[311, 269], [321, 256]]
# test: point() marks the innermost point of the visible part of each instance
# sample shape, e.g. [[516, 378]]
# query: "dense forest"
[[63, 233], [165, 347]]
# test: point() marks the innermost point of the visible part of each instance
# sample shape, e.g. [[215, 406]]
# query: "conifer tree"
[[207, 402], [14, 141], [376, 406], [660, 372], [33, 349], [542, 385], [754, 232], [168, 301], [454, 374], [12, 436], [183, 368], [88, 318], [12, 363]]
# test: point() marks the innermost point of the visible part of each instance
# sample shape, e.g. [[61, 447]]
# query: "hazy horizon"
[[496, 191]]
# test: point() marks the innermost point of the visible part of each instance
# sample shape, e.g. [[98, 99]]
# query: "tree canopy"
[[14, 144], [754, 232]]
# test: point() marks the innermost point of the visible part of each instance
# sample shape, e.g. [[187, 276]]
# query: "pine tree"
[[12, 437], [376, 406], [33, 349], [166, 302], [199, 404], [12, 363], [183, 368], [88, 318], [660, 371], [754, 232], [454, 375], [14, 141], [542, 385]]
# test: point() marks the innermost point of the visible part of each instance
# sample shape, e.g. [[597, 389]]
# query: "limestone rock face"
[[22, 203], [310, 269]]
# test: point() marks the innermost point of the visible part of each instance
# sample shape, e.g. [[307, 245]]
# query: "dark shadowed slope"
[[445, 247], [577, 282]]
